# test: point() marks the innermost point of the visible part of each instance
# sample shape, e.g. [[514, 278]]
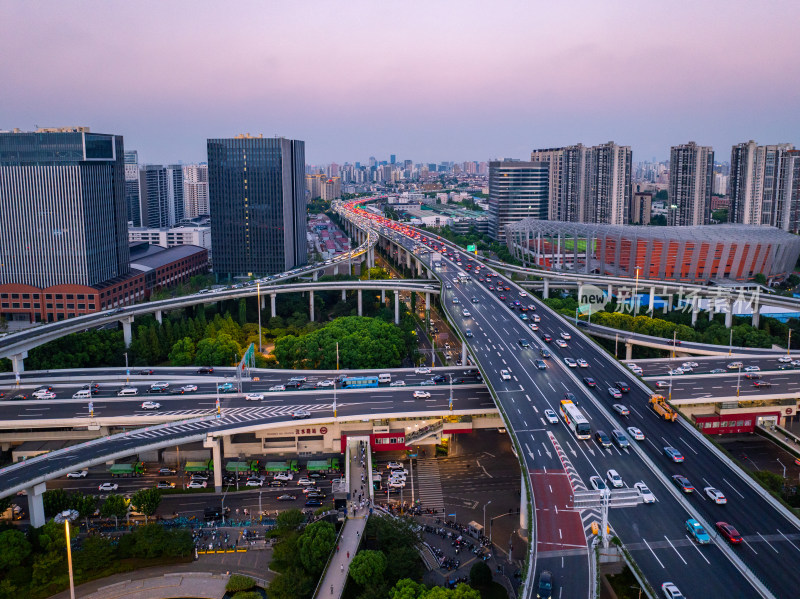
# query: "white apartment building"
[[171, 237], [195, 190]]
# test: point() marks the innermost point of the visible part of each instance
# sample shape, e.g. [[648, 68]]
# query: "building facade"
[[755, 181], [175, 198], [257, 196], [195, 190], [132, 188], [153, 195], [171, 237], [691, 179], [517, 190]]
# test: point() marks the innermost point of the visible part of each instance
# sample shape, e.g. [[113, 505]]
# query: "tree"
[[96, 553], [314, 546], [368, 567], [182, 352], [237, 583], [407, 589], [14, 548], [115, 507], [85, 505], [760, 279], [146, 501], [55, 501], [247, 595], [217, 351], [480, 575], [289, 520]]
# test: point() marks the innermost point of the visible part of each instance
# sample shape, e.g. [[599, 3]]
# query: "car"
[[570, 362], [159, 387], [570, 397], [41, 394], [254, 482], [551, 417], [301, 414], [524, 343], [544, 590], [540, 364], [583, 363], [673, 454], [277, 388], [455, 300], [675, 372], [448, 286], [108, 487], [501, 296], [147, 371], [151, 405], [284, 476], [428, 383], [422, 394], [547, 338], [533, 326], [671, 591], [395, 466], [683, 483], [505, 375], [566, 336], [166, 471], [752, 376], [590, 382], [602, 439], [422, 370], [286, 497], [45, 388], [523, 317], [536, 317], [545, 353], [762, 384], [205, 370], [622, 386], [468, 333], [78, 474], [465, 313], [734, 365], [645, 493], [474, 300], [254, 397], [620, 439], [226, 388], [313, 503], [312, 493], [511, 305], [717, 371], [661, 385], [621, 409], [397, 384], [684, 368], [697, 531], [614, 479], [615, 393], [326, 384], [439, 378], [784, 359], [164, 484], [637, 434], [752, 369], [561, 343], [304, 481], [398, 474], [715, 495], [187, 389], [597, 483], [396, 484], [729, 532]]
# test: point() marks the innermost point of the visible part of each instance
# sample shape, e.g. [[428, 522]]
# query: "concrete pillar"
[[667, 302], [610, 292], [311, 306], [127, 334], [272, 298], [463, 354], [408, 259], [383, 297], [756, 317], [18, 361], [728, 314], [335, 269], [344, 295], [159, 317], [546, 290], [315, 275], [523, 503], [397, 307], [711, 307], [419, 268], [694, 311], [652, 300], [263, 302], [216, 454], [629, 350], [36, 505], [427, 302], [580, 292], [360, 304]]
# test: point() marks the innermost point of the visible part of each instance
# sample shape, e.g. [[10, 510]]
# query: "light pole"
[[670, 384], [259, 505], [636, 290], [258, 307], [66, 516], [738, 380], [484, 513], [451, 392], [674, 341], [616, 343], [128, 372], [789, 343], [730, 343]]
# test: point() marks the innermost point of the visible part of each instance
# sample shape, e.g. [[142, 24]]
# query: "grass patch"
[[624, 584]]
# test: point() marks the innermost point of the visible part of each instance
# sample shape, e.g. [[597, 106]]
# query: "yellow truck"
[[662, 408]]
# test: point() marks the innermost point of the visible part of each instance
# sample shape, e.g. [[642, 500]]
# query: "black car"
[[205, 370], [545, 353], [439, 378], [276, 483], [147, 371], [602, 438], [511, 305], [308, 386], [571, 397], [316, 475], [292, 384], [547, 338], [622, 386], [590, 382], [524, 343], [545, 588], [313, 503]]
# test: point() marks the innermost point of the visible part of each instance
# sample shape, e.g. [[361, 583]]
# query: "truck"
[[662, 408], [206, 466], [135, 469], [243, 467]]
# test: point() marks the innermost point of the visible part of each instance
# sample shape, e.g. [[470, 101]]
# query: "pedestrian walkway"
[[201, 585], [429, 485]]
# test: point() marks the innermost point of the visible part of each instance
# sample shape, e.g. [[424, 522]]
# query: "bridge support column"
[[263, 302], [546, 289], [397, 307], [629, 350], [159, 317], [728, 314], [711, 307], [360, 304], [311, 306], [408, 259], [523, 504], [580, 292], [315, 275], [652, 301], [127, 334], [216, 454], [18, 361], [694, 311], [667, 302], [383, 297], [335, 269], [36, 505], [272, 298], [419, 268], [756, 315], [344, 295], [427, 302], [610, 291], [463, 354]]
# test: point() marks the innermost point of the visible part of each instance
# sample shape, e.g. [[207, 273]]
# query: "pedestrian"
[[348, 555], [341, 568], [337, 548]]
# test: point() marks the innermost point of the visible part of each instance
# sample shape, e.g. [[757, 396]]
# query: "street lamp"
[[730, 343], [484, 514], [258, 308], [66, 515], [451, 392], [636, 290], [738, 380], [784, 469], [789, 343], [128, 372]]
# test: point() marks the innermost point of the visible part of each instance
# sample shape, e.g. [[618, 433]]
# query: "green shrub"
[[237, 583], [247, 595]]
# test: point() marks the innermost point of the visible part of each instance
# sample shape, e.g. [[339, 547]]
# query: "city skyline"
[[433, 82]]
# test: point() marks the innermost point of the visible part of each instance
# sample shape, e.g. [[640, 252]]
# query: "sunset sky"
[[427, 80]]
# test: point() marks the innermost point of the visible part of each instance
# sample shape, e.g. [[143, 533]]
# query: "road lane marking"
[[788, 540], [734, 488], [653, 552], [676, 551], [749, 545], [767, 542], [698, 550]]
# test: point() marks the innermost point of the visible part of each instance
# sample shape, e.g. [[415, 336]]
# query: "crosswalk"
[[429, 485], [247, 411]]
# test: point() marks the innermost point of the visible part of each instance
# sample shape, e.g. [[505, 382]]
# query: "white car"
[[570, 362], [306, 482], [196, 484], [566, 336], [784, 359], [325, 383], [686, 365], [523, 294], [254, 397], [551, 417], [465, 313], [398, 474], [301, 414], [536, 318], [108, 487], [752, 369], [395, 466], [188, 389], [661, 385], [254, 482], [671, 591], [597, 483], [505, 375], [277, 388], [78, 474], [561, 343], [44, 394], [150, 405], [675, 372], [621, 409], [685, 368], [534, 326], [614, 479], [637, 434], [397, 384], [422, 370], [583, 363], [421, 394], [396, 484], [285, 476], [715, 495], [647, 494]]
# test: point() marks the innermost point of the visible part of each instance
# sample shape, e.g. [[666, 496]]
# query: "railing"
[[425, 431]]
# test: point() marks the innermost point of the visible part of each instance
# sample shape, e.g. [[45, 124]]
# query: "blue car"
[[697, 531], [673, 454]]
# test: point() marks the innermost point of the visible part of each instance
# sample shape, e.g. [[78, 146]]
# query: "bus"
[[359, 382], [575, 419]]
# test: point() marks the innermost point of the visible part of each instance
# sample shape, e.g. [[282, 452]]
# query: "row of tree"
[[144, 501]]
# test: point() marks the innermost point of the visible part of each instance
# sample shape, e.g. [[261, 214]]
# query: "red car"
[[729, 532], [547, 338]]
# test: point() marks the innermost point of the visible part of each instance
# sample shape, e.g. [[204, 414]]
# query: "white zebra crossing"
[[429, 485]]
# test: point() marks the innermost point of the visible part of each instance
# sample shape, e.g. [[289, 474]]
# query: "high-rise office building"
[[195, 190], [787, 197], [517, 190], [258, 205], [63, 216], [132, 188], [691, 177], [755, 172], [153, 195], [175, 194]]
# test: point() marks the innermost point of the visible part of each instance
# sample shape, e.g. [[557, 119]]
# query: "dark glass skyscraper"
[[256, 188], [63, 216]]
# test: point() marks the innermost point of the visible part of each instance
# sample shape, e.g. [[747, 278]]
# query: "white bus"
[[575, 419]]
